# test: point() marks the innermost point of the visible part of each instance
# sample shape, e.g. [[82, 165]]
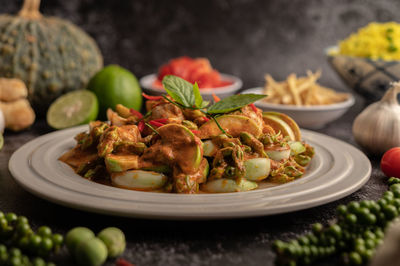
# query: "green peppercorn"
[[11, 217], [341, 210], [317, 228], [34, 242], [38, 262], [44, 231], [335, 230], [46, 245], [353, 206], [351, 219], [355, 258], [58, 239]]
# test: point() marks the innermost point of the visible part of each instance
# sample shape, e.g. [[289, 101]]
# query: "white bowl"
[[313, 117], [147, 82]]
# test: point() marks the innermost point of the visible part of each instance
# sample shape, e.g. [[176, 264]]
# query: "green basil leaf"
[[180, 90], [205, 104], [234, 102], [197, 96]]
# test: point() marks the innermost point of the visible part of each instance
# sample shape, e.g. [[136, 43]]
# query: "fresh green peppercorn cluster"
[[18, 241], [357, 232]]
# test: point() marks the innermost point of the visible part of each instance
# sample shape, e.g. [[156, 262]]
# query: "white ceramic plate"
[[147, 81], [312, 117], [337, 170]]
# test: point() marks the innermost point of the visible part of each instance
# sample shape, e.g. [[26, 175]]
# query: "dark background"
[[247, 38]]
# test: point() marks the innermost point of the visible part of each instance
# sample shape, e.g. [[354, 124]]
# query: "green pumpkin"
[[52, 56]]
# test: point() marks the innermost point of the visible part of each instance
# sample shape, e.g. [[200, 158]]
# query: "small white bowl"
[[313, 117], [147, 82]]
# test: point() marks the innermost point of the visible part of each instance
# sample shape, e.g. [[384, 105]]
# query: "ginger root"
[[18, 113]]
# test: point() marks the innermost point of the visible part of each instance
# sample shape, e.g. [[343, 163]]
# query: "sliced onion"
[[257, 169], [139, 179], [223, 185]]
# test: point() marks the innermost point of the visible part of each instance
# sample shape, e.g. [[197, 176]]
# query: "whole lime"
[[116, 85]]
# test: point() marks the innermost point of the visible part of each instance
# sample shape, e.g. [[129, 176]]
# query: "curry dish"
[[182, 150]]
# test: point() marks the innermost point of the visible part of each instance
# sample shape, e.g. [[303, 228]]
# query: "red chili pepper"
[[141, 126], [253, 107], [195, 131], [155, 123], [153, 98], [161, 120], [136, 113], [216, 98], [206, 119], [122, 262]]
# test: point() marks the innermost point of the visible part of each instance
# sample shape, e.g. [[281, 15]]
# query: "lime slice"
[[1, 141], [72, 109]]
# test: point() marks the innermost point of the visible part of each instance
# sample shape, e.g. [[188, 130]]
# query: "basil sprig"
[[188, 96]]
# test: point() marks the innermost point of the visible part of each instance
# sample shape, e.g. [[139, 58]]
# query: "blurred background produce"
[[253, 37], [368, 60], [51, 55]]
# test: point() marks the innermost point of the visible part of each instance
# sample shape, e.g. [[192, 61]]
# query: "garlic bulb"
[[377, 128]]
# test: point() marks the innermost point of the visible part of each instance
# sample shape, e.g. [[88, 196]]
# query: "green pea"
[[77, 235], [11, 217], [92, 252], [44, 231]]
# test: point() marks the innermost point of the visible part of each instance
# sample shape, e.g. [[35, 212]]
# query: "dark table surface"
[[152, 242]]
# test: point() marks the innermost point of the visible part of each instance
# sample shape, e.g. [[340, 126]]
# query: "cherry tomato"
[[390, 163]]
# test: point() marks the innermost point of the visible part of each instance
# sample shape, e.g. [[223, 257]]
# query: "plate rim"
[[200, 216]]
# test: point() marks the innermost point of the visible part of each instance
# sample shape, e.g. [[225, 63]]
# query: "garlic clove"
[[377, 127]]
